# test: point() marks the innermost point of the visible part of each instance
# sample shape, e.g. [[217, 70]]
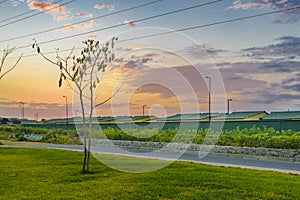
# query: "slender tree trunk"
[[84, 160], [89, 146], [91, 114], [89, 143], [84, 165]]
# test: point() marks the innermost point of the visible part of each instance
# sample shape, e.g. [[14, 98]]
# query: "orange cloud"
[[46, 6], [108, 6], [61, 17], [82, 15], [129, 22], [72, 27], [93, 36]]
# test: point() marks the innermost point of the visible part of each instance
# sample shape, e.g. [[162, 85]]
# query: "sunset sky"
[[255, 62]]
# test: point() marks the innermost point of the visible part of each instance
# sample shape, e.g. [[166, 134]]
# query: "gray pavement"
[[215, 160]]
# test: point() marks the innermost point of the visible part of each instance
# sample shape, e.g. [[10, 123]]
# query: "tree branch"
[[103, 102], [6, 53], [9, 70]]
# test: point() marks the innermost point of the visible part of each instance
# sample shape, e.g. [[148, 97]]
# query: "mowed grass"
[[55, 174]]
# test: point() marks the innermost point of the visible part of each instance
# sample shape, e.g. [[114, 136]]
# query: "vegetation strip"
[[253, 137]]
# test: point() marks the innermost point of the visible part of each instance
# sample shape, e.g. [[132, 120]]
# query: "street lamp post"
[[209, 97], [67, 112], [76, 113], [228, 105], [144, 109]]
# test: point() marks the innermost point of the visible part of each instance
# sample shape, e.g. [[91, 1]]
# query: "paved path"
[[215, 160]]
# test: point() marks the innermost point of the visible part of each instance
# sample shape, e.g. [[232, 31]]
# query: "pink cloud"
[[282, 1], [129, 22], [61, 17], [93, 36], [45, 6], [269, 4], [16, 2], [286, 17], [240, 5], [108, 6], [72, 27], [82, 15]]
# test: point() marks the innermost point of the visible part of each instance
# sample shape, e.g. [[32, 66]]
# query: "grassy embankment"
[[55, 174], [253, 137]]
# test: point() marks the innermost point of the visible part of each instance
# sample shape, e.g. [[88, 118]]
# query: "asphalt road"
[[215, 160]]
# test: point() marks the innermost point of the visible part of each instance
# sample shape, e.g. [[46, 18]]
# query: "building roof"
[[189, 116], [105, 119], [239, 115], [177, 117], [201, 116], [283, 115], [132, 118], [63, 120]]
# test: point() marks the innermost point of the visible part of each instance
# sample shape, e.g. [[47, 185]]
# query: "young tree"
[[83, 74], [6, 53]]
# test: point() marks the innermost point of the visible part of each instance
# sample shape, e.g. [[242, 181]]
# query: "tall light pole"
[[67, 112], [22, 110], [209, 97], [144, 109], [37, 116], [76, 112], [228, 105]]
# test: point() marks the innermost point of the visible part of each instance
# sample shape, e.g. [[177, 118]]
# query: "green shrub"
[[253, 137]]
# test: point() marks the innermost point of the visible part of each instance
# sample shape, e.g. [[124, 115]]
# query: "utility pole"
[[144, 109], [228, 105], [76, 112], [22, 110]]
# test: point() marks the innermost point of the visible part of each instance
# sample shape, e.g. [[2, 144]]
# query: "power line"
[[186, 29], [25, 13], [212, 24], [83, 21], [119, 25], [35, 14]]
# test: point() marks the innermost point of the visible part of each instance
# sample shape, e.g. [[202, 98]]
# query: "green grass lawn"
[[55, 174]]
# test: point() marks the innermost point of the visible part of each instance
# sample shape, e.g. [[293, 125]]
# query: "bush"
[[253, 137], [21, 138]]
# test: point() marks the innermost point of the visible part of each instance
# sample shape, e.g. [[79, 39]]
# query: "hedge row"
[[253, 137]]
